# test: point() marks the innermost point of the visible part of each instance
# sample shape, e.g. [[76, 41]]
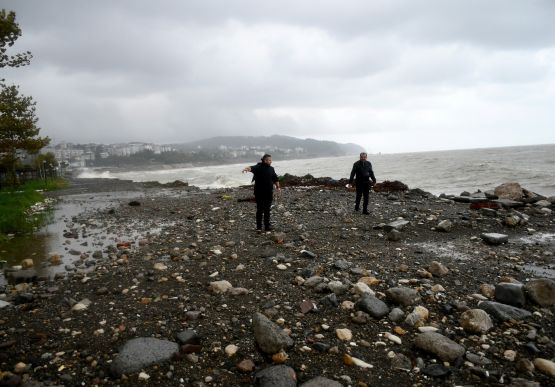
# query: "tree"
[[18, 123], [9, 32], [18, 129], [46, 164]]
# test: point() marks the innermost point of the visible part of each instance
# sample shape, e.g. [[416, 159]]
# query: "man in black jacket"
[[265, 179], [362, 173]]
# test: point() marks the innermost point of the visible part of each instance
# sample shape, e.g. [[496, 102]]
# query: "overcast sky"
[[391, 75]]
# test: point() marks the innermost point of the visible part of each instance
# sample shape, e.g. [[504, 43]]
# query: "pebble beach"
[[425, 291]]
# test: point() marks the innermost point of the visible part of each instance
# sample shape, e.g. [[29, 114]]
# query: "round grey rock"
[[277, 376], [142, 352]]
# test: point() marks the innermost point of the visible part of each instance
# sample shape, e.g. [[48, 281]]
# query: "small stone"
[[307, 306], [393, 338], [220, 287], [280, 357], [509, 355], [476, 321], [159, 266], [545, 366], [494, 238], [444, 226], [231, 350], [246, 365], [344, 334], [438, 269], [487, 290], [20, 368], [144, 376]]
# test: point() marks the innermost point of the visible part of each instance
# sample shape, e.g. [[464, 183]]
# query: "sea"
[[449, 172]]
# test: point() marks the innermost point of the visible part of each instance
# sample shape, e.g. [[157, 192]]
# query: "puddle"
[[50, 238], [445, 250], [539, 239], [541, 271]]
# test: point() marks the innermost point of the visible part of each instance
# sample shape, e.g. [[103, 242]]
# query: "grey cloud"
[[172, 71]]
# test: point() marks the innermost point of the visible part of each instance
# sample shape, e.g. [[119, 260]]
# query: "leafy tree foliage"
[[18, 123], [18, 128], [9, 32], [47, 161]]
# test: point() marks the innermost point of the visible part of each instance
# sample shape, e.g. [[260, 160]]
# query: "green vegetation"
[[18, 124], [17, 214]]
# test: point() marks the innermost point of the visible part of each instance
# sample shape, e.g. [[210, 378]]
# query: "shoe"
[[269, 228], [365, 212], [356, 209]]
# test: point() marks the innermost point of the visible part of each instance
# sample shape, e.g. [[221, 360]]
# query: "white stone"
[[81, 305], [144, 376], [361, 363], [160, 266], [20, 368], [220, 287], [347, 305], [393, 338], [281, 266], [510, 355], [361, 288], [344, 334], [231, 350], [545, 366]]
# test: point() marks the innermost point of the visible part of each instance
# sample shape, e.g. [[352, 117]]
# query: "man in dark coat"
[[362, 173], [265, 179]]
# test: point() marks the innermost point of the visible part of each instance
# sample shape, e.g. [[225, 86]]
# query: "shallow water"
[[50, 240]]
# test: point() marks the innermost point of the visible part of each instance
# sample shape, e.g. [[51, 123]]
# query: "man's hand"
[[246, 169]]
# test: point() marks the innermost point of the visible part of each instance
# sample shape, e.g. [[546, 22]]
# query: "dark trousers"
[[363, 189], [263, 204]]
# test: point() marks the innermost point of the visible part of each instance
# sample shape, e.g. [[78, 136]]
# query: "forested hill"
[[231, 149], [283, 145]]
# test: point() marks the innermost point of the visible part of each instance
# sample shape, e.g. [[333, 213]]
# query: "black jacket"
[[362, 169], [264, 177]]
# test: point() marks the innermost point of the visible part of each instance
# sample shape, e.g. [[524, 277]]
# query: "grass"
[[16, 206]]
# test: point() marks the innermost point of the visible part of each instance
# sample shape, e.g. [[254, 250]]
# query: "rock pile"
[[329, 299]]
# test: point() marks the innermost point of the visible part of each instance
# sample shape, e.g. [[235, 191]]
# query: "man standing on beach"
[[362, 173], [265, 179]]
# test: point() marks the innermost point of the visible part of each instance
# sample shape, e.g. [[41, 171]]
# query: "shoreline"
[[161, 284]]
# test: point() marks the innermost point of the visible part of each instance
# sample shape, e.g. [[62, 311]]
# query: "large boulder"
[[541, 291], [510, 294], [510, 190]]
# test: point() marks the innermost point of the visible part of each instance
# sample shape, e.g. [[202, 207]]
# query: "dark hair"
[[266, 156]]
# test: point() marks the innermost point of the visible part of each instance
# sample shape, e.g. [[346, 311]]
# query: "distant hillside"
[[282, 145], [217, 150]]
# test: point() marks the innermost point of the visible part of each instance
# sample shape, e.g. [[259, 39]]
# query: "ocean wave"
[[92, 174]]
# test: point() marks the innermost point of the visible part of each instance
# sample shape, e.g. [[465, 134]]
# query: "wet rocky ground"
[[425, 291]]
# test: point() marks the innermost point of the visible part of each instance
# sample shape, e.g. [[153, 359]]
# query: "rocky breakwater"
[[413, 294]]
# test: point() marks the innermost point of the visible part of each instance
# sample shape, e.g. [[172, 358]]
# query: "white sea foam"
[[438, 172]]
